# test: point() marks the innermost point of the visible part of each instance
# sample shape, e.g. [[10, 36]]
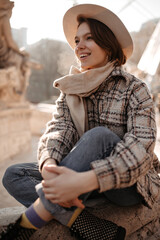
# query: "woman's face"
[[87, 51]]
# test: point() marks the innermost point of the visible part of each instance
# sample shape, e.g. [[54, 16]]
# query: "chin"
[[86, 67]]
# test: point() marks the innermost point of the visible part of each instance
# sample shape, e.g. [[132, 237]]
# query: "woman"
[[101, 138]]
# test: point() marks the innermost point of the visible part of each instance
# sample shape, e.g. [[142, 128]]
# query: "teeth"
[[83, 55]]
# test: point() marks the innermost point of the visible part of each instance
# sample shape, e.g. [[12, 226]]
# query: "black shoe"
[[15, 232], [89, 227]]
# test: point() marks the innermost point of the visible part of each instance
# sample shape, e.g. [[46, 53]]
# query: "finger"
[[54, 201], [47, 183], [62, 204], [79, 203], [44, 184], [50, 196], [76, 202], [54, 169], [65, 204], [49, 191]]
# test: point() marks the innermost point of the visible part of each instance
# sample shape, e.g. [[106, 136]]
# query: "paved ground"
[[5, 199]]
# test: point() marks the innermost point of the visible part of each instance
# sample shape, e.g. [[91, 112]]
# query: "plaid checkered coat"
[[124, 105]]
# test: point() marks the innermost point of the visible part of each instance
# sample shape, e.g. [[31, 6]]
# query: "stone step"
[[140, 222]]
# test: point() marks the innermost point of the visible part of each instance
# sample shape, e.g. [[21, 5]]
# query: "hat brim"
[[101, 14]]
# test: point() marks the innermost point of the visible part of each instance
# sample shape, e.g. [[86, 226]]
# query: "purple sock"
[[33, 217]]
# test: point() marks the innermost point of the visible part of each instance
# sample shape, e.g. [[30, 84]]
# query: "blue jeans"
[[20, 179]]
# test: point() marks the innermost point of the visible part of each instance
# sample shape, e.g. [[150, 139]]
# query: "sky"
[[43, 18]]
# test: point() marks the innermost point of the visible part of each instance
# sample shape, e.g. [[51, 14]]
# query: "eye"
[[89, 37], [76, 41]]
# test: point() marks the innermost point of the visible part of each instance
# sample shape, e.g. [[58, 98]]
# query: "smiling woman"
[[99, 38], [87, 51], [100, 141]]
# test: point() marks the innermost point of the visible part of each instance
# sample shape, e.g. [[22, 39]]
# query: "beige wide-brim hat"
[[104, 15]]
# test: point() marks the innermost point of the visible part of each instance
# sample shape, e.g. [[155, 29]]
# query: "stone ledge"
[[9, 215], [140, 222], [40, 115], [15, 131]]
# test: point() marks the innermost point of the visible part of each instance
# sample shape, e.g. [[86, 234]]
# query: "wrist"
[[89, 181], [45, 173], [49, 161]]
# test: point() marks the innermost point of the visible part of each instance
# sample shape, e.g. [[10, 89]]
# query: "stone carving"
[[15, 64]]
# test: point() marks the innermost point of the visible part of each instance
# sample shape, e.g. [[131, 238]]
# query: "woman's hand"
[[68, 184], [51, 175], [62, 188], [46, 174], [76, 202]]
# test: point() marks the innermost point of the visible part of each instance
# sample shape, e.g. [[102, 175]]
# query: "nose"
[[80, 45]]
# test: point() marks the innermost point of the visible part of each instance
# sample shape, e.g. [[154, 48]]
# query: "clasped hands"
[[62, 185]]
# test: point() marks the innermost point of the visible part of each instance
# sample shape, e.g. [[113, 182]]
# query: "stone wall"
[[40, 115], [15, 134]]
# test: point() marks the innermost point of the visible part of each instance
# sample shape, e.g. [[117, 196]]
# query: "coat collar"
[[118, 71]]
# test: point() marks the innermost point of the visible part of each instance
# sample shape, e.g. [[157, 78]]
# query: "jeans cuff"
[[61, 214]]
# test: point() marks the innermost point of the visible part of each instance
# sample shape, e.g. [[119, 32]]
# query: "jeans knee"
[[8, 176], [103, 134], [100, 131]]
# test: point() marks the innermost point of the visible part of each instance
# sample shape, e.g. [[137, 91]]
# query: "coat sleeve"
[[132, 157], [54, 142]]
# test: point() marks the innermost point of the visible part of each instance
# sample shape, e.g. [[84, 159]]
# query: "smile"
[[84, 55]]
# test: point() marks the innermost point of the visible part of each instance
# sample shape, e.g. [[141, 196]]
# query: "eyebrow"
[[89, 33]]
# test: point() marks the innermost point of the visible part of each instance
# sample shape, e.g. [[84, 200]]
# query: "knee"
[[103, 134], [100, 131], [9, 175]]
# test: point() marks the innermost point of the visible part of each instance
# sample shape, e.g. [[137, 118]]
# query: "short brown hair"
[[105, 38]]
